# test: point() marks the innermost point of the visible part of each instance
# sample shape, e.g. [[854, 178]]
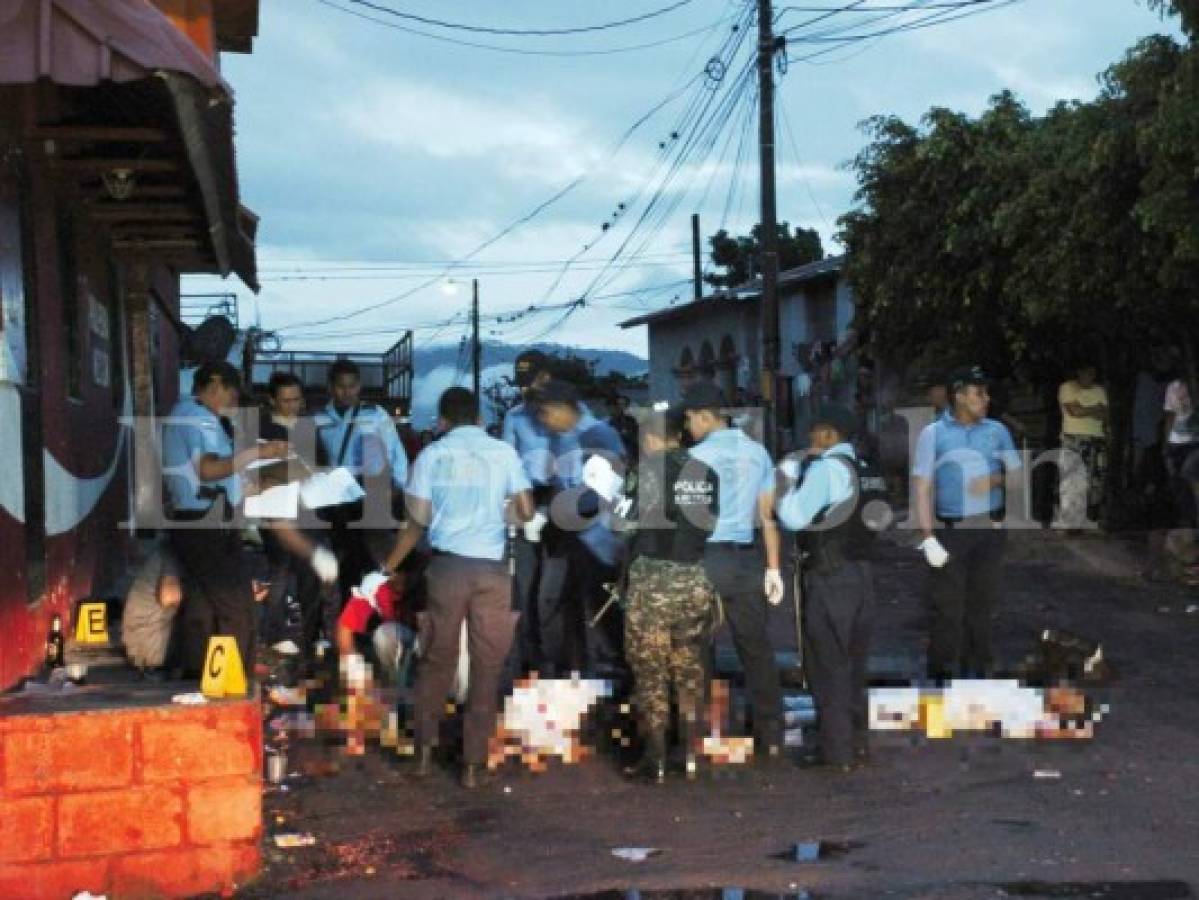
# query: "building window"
[[68, 289], [821, 311]]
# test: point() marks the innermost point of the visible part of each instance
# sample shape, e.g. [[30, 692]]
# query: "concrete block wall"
[[131, 803]]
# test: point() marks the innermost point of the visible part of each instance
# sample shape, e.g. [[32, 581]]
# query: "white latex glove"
[[774, 587], [532, 528], [936, 555], [324, 563], [599, 475]]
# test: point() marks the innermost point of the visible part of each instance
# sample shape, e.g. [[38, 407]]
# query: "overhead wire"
[[511, 227], [524, 32], [520, 51]]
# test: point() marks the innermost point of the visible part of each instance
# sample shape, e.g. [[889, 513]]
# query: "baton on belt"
[[797, 578]]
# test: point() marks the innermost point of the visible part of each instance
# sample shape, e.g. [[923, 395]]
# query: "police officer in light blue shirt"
[[202, 474], [825, 509], [743, 569], [362, 438], [579, 628], [531, 440], [464, 490], [963, 463]]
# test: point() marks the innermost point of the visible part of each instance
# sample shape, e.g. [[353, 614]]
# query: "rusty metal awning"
[[85, 42], [107, 44]]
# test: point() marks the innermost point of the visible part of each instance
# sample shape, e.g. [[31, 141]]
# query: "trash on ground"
[[288, 696], [292, 839], [194, 698], [635, 854], [1046, 774], [817, 851]]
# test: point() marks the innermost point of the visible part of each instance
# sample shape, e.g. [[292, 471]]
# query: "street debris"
[[635, 854], [1047, 774], [293, 839], [817, 851]]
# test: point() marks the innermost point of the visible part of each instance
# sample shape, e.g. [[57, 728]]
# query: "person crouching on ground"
[[464, 491], [668, 618], [370, 625]]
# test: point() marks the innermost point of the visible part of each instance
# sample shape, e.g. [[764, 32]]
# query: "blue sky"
[[376, 157]]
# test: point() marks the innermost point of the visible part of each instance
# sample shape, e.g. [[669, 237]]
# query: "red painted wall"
[[83, 432]]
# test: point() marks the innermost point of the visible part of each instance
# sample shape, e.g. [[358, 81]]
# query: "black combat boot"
[[652, 765]]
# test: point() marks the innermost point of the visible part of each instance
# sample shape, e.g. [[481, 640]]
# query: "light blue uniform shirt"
[[745, 472], [953, 455], [191, 432], [466, 476], [531, 441], [374, 443], [571, 450], [826, 483]]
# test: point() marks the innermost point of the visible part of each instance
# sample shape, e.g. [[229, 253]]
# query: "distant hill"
[[436, 368], [496, 354]]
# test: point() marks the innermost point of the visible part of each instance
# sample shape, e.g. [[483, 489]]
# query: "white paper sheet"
[[281, 502], [330, 489]]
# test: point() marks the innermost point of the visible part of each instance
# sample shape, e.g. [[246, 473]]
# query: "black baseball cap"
[[558, 392], [527, 365], [704, 395], [964, 376], [837, 417]]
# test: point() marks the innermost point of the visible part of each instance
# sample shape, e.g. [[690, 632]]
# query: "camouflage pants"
[[667, 624]]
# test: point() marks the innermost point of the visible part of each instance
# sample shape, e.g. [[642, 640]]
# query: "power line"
[[799, 164], [513, 226], [523, 51], [522, 32], [965, 9]]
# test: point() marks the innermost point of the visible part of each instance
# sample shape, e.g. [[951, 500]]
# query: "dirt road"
[[929, 819]]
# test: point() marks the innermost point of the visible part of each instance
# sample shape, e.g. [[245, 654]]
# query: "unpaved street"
[[933, 819]]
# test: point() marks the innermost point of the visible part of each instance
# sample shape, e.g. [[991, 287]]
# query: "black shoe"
[[650, 767]]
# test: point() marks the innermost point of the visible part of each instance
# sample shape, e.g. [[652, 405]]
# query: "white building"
[[719, 337]]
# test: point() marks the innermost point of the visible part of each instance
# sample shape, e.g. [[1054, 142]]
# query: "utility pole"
[[696, 258], [476, 350], [769, 226]]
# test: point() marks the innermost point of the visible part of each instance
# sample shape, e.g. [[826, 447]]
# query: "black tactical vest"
[[846, 530]]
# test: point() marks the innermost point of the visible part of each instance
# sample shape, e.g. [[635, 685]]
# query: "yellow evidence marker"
[[91, 622], [224, 674]]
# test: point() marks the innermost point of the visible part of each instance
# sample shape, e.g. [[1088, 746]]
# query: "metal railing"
[[386, 377]]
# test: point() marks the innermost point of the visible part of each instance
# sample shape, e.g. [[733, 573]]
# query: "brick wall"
[[136, 803]]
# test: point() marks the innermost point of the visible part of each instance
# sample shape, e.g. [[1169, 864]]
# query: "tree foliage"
[[738, 256], [1029, 243], [1006, 238]]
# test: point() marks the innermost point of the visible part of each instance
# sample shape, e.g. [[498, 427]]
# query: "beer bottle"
[[55, 645]]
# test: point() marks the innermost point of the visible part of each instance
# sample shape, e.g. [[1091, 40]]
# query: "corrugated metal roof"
[[82, 43], [750, 290]]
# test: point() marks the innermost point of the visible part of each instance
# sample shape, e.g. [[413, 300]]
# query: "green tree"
[[738, 256]]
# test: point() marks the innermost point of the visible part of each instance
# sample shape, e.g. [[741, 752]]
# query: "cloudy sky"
[[379, 158]]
